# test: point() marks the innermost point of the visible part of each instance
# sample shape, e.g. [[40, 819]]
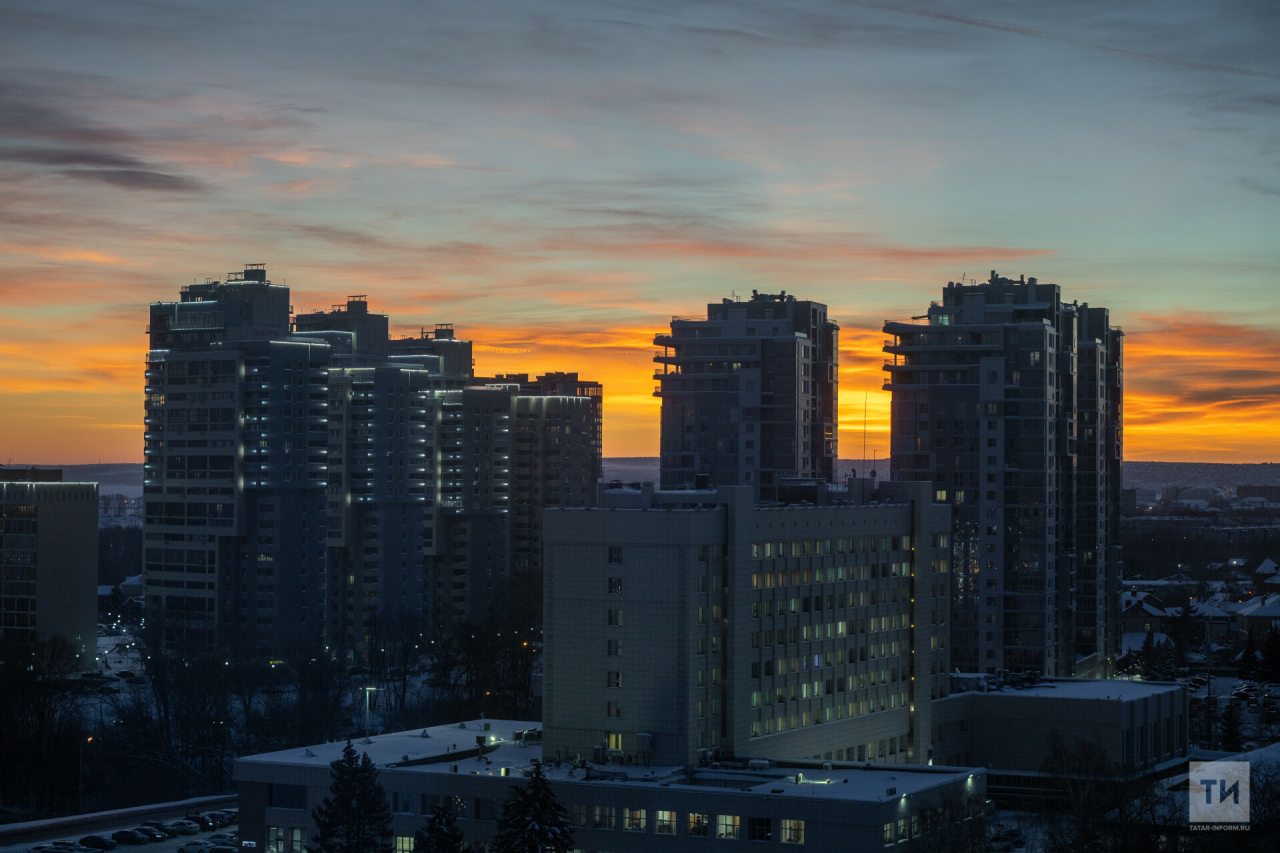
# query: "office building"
[[48, 562], [1008, 400], [749, 394], [476, 764], [686, 625], [308, 478]]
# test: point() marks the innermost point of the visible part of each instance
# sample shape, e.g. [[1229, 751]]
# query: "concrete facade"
[[49, 564], [309, 482], [689, 624], [749, 394], [1008, 400]]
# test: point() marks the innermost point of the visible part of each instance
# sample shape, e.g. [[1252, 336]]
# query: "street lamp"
[[82, 743], [367, 691]]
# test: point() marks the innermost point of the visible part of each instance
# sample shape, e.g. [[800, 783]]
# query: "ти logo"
[[1218, 792]]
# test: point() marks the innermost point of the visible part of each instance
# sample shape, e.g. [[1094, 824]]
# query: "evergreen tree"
[[533, 820], [1271, 655], [356, 818], [1249, 658], [1231, 738], [1147, 655], [441, 834]]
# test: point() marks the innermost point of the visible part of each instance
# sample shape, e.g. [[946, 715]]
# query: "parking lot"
[[74, 834]]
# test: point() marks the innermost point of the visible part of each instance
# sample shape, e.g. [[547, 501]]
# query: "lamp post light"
[[82, 743]]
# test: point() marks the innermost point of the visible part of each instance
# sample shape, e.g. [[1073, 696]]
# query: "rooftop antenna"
[[873, 463], [864, 428]]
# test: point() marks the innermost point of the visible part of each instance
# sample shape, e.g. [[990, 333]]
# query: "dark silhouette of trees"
[[533, 820], [441, 834], [40, 729], [355, 818], [1097, 806]]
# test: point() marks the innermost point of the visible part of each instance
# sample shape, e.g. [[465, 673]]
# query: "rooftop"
[[1085, 688], [511, 746]]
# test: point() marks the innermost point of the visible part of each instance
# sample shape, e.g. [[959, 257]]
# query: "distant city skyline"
[[558, 180]]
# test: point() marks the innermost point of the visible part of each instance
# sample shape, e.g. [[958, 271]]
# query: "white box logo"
[[1219, 792]]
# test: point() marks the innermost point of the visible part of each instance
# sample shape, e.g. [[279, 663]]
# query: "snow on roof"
[[1131, 641], [1267, 567], [439, 748], [1262, 607]]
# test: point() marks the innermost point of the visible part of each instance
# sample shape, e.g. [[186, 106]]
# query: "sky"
[[558, 179]]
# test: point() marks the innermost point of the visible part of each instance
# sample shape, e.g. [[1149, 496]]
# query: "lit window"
[[633, 820], [792, 831], [697, 825], [727, 826], [665, 823]]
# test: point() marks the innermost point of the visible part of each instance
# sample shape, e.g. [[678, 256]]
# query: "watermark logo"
[[1219, 793]]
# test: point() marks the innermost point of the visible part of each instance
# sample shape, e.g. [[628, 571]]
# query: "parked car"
[[224, 838], [201, 821], [227, 816], [98, 842], [184, 827], [128, 836], [151, 833], [160, 827], [198, 845], [217, 817]]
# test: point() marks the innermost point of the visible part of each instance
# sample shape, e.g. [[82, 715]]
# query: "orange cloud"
[[1201, 386]]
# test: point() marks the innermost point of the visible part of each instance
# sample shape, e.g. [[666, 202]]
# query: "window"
[[287, 796], [615, 553], [792, 831], [613, 678], [486, 809], [633, 820], [888, 833], [401, 803], [615, 586], [612, 709], [615, 616], [759, 829], [615, 648], [578, 814], [613, 740], [727, 826], [603, 817], [696, 825], [404, 844], [665, 823]]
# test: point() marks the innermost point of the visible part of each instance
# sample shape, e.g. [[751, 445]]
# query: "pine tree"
[[1147, 656], [356, 818], [1231, 738], [441, 834], [1249, 657], [533, 820], [1271, 655]]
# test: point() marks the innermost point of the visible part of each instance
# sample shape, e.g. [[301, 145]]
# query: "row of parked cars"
[[155, 830]]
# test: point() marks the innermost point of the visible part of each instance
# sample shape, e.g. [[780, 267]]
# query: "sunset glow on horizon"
[[558, 180]]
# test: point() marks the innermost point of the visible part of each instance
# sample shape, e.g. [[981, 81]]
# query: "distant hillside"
[[1150, 475], [112, 477], [126, 477]]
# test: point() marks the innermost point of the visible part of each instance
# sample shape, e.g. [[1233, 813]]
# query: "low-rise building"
[[475, 765], [1008, 725]]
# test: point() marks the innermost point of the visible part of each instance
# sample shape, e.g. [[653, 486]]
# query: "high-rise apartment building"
[[688, 624], [1008, 401], [48, 563], [749, 394], [308, 476]]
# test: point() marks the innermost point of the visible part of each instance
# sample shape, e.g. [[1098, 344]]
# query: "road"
[[74, 834]]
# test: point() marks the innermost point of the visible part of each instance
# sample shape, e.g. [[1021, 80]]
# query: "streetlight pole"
[[82, 743]]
